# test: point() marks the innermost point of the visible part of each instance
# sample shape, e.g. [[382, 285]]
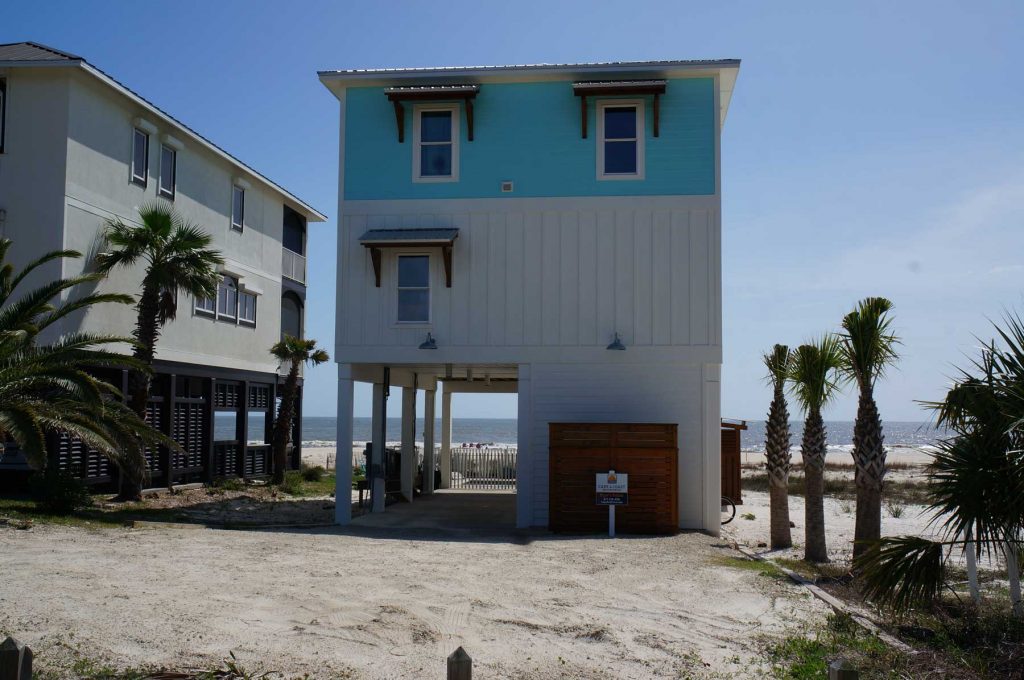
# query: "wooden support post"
[[242, 427], [841, 669], [446, 255], [208, 439], [430, 399], [375, 471], [469, 119], [343, 473], [16, 660], [583, 116], [460, 665], [408, 442], [169, 404], [657, 116], [400, 120], [446, 437], [375, 256]]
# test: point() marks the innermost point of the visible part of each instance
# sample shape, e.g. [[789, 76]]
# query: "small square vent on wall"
[[507, 187]]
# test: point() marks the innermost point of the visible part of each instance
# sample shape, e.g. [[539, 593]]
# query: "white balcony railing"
[[293, 266]]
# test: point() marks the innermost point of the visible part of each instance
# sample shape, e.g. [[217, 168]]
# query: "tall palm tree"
[[869, 348], [976, 482], [295, 352], [177, 257], [49, 387], [814, 377], [776, 447]]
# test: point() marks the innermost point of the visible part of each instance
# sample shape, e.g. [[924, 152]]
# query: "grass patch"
[[766, 569], [813, 571], [23, 511], [803, 658], [296, 484], [894, 492]]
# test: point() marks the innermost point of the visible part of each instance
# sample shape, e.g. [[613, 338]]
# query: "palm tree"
[[976, 483], [49, 387], [777, 447], [295, 352], [814, 376], [177, 258], [869, 347]]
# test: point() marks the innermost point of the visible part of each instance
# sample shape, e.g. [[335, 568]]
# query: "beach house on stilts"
[[549, 230]]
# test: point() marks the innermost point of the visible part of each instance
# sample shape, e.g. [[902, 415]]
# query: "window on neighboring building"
[[291, 315], [246, 308], [140, 157], [237, 207], [294, 236], [3, 113], [206, 306], [168, 170], [436, 148], [227, 299], [620, 139], [413, 289]]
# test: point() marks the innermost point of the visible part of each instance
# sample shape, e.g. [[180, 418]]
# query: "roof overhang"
[[311, 213], [377, 239], [726, 71]]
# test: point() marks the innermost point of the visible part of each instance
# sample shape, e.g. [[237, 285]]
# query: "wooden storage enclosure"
[[648, 453], [731, 474]]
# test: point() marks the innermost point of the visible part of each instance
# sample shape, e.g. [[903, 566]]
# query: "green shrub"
[[292, 484], [229, 484], [59, 492], [313, 473]]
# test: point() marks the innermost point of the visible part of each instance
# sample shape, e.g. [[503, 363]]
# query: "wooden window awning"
[[616, 88], [431, 93], [378, 239]]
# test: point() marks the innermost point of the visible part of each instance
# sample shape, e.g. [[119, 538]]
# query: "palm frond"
[[902, 572], [868, 342], [814, 372]]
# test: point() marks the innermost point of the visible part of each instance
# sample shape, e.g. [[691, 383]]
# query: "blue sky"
[[872, 148]]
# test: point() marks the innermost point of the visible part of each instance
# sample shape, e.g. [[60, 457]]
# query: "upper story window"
[[140, 157], [168, 171], [206, 306], [620, 139], [436, 144], [227, 299], [413, 289], [237, 207], [293, 237], [246, 308], [3, 113]]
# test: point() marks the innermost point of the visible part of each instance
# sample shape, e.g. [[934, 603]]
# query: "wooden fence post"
[[16, 660], [841, 669], [460, 666]]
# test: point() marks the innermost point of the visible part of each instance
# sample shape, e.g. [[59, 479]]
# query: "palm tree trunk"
[[813, 449], [869, 459], [283, 424], [971, 553], [777, 461], [147, 331], [1011, 549]]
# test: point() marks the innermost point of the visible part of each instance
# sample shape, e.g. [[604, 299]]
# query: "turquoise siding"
[[529, 133]]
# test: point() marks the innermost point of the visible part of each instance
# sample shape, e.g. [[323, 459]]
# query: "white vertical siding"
[[563, 273]]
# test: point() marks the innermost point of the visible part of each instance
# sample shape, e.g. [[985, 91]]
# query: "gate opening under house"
[[437, 476]]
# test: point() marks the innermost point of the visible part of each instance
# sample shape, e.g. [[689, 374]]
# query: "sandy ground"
[[337, 603]]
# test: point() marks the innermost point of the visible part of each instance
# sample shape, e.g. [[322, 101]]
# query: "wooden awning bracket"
[[656, 88], [432, 93]]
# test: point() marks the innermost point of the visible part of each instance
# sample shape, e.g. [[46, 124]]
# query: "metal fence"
[[474, 468]]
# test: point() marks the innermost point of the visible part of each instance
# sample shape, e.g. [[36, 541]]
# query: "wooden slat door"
[[731, 473], [647, 453]]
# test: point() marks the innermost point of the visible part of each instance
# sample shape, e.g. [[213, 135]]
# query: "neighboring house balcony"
[[293, 266]]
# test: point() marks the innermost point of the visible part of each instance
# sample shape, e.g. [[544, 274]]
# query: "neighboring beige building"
[[78, 148]]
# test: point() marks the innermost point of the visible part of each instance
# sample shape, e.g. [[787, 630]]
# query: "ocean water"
[[502, 431]]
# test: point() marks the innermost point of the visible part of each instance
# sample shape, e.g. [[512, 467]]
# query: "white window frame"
[[417, 112], [240, 224], [202, 311], [641, 118], [242, 321], [160, 190], [137, 179], [429, 288], [229, 316]]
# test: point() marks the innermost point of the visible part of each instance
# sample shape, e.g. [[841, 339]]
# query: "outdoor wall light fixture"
[[616, 344], [429, 343]]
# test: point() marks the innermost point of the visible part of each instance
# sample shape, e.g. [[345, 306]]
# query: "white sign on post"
[[612, 490]]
